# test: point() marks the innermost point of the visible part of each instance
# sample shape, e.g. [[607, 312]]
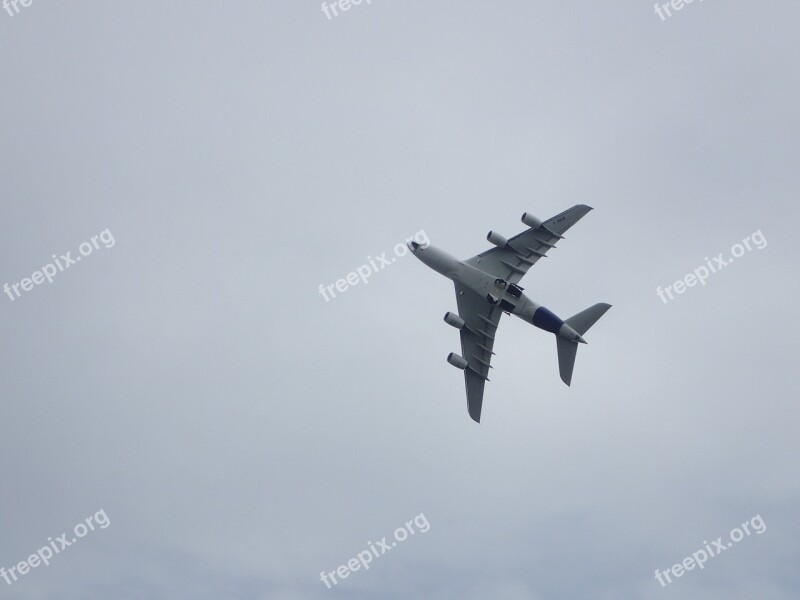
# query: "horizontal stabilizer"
[[585, 319], [567, 349]]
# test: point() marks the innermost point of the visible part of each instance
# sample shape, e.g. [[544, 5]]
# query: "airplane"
[[486, 287]]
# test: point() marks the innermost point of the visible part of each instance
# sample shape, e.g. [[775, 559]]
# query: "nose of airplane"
[[413, 245]]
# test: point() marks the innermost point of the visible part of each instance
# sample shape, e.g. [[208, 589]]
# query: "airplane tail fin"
[[567, 349]]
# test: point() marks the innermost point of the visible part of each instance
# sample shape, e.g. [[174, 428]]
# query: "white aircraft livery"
[[486, 287]]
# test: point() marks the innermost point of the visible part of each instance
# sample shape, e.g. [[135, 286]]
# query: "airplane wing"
[[512, 261], [477, 338]]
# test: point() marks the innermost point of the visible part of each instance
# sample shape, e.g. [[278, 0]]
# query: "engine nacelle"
[[454, 320], [530, 220], [457, 361], [497, 239]]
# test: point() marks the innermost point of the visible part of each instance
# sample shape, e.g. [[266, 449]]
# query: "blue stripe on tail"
[[544, 319]]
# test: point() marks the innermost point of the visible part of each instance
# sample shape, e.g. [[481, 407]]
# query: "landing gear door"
[[507, 306], [514, 290]]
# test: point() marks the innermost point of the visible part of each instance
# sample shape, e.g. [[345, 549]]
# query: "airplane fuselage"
[[508, 297]]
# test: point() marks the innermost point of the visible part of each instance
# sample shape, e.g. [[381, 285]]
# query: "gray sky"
[[242, 434]]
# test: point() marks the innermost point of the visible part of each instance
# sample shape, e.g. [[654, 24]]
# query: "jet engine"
[[497, 239], [457, 361], [454, 320], [530, 220]]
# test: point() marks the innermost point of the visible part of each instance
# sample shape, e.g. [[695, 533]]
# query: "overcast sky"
[[242, 434]]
